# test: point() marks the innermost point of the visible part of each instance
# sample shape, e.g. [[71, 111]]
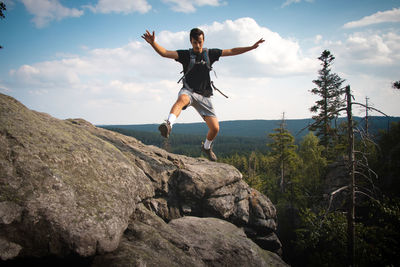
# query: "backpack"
[[192, 62]]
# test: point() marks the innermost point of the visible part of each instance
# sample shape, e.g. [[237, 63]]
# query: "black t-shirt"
[[198, 79]]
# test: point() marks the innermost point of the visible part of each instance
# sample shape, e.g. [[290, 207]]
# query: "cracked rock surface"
[[68, 187]]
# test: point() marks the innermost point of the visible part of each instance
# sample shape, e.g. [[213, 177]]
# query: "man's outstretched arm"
[[150, 38], [241, 50]]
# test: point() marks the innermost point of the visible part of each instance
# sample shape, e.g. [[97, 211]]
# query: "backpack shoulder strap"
[[207, 58], [192, 62]]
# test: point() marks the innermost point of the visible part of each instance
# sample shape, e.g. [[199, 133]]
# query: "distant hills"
[[256, 128], [235, 137]]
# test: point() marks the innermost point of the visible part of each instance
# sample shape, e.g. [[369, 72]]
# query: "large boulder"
[[70, 188], [186, 241]]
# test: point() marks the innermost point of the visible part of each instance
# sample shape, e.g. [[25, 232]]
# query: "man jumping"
[[197, 85]]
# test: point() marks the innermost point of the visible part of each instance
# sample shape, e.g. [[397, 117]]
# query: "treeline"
[[190, 145], [312, 223]]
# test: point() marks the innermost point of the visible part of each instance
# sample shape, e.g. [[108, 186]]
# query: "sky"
[[86, 59]]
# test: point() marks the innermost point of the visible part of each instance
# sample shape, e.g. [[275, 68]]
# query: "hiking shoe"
[[165, 129], [210, 154]]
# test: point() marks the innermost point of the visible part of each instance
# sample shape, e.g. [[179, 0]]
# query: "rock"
[[70, 188], [149, 241], [76, 191], [220, 243], [8, 250], [9, 212], [186, 241]]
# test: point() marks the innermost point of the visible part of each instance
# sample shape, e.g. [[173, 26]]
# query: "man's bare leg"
[[213, 129], [182, 101]]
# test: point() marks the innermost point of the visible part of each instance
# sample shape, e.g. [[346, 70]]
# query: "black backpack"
[[205, 60]]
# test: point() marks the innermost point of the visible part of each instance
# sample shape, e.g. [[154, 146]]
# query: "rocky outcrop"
[[70, 188], [186, 241]]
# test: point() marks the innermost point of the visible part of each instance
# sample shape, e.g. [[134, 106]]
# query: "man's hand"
[[258, 43], [241, 50], [149, 37]]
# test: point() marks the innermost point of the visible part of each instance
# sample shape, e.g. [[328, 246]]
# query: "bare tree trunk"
[[282, 183], [366, 116], [351, 212]]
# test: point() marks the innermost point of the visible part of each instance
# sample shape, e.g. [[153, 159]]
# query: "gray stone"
[[220, 243], [8, 250], [68, 187], [9, 212]]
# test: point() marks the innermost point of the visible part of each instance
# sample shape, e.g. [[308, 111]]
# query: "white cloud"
[[172, 40], [128, 82], [278, 56], [363, 50], [45, 11], [133, 84], [370, 49], [379, 91], [39, 92], [51, 74], [189, 6], [369, 61], [379, 17], [120, 6], [318, 38], [289, 2]]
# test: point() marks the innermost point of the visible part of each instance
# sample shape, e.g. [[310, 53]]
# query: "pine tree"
[[396, 85], [2, 9], [312, 167], [329, 89], [284, 149]]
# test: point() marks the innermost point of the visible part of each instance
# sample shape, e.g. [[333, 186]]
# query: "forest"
[[336, 187]]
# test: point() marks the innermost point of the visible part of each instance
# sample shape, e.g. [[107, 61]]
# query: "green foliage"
[[283, 150], [388, 163], [378, 235], [396, 85], [321, 238], [256, 169], [312, 168], [2, 9], [329, 90]]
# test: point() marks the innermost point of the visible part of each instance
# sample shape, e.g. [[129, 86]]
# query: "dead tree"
[[355, 167], [352, 169]]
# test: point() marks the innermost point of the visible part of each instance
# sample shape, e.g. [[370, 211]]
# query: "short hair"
[[195, 34]]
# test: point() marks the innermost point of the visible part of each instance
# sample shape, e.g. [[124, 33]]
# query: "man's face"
[[197, 44]]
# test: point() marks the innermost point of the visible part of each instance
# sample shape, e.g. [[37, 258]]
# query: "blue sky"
[[86, 58]]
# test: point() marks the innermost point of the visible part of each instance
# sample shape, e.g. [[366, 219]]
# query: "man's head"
[[197, 40]]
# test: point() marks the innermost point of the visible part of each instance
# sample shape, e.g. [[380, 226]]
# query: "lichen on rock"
[[70, 188]]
